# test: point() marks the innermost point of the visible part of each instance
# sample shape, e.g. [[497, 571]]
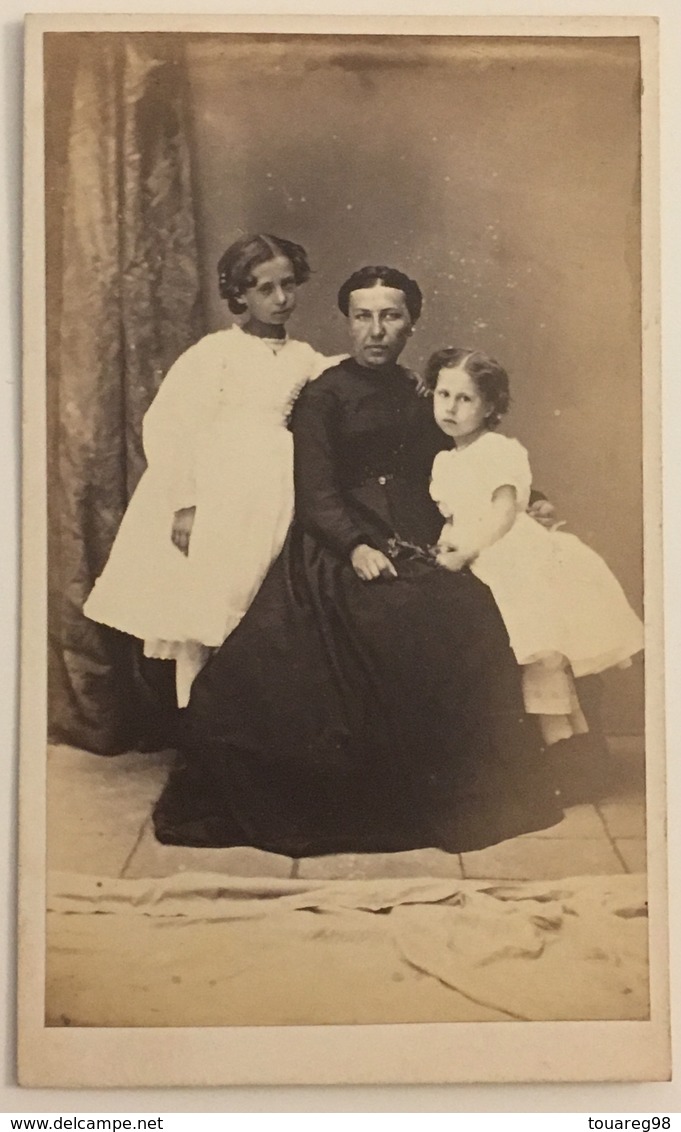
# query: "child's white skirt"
[[244, 506], [557, 596]]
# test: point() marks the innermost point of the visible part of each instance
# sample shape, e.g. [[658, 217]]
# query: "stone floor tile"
[[579, 821], [97, 806], [151, 859], [361, 866], [624, 817], [98, 820], [633, 852], [540, 858], [629, 765]]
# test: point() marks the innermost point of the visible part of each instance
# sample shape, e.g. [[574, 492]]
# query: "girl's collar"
[[264, 337], [274, 345], [478, 440]]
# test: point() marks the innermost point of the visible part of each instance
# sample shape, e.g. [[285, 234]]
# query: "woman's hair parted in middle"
[[490, 378], [387, 277], [235, 268]]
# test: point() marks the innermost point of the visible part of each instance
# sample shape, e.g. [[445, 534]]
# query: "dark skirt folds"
[[350, 716]]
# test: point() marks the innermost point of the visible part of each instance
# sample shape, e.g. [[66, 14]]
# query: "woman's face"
[[379, 324], [271, 299]]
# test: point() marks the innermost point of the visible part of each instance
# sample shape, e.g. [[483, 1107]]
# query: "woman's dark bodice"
[[364, 448]]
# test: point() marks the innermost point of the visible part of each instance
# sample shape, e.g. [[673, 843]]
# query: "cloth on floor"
[[203, 949]]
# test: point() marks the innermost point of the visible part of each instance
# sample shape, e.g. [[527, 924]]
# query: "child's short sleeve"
[[438, 483], [507, 462]]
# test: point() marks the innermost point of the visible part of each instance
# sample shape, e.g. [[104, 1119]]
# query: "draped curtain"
[[123, 302]]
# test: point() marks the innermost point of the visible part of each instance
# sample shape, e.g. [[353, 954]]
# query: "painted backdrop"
[[503, 174]]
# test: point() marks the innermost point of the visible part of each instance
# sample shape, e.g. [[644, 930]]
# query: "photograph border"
[[411, 1052]]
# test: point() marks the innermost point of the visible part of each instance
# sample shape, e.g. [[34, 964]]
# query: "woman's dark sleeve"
[[320, 507]]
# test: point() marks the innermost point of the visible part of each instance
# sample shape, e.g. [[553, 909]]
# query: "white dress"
[[215, 438], [557, 596]]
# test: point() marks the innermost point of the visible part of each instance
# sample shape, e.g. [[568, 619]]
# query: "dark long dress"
[[351, 716]]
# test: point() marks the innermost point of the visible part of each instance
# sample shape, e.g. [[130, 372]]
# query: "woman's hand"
[[183, 521], [370, 564], [452, 559], [421, 387], [544, 513]]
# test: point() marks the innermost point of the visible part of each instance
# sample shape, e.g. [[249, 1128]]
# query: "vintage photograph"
[[350, 433]]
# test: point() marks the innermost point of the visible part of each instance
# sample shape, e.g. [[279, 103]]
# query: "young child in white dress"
[[211, 512], [564, 610]]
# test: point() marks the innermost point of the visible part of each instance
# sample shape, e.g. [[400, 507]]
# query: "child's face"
[[459, 409], [271, 299]]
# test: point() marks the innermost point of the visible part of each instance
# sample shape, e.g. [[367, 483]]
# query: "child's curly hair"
[[491, 379], [235, 269]]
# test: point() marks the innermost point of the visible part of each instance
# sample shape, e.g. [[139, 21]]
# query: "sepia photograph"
[[341, 552]]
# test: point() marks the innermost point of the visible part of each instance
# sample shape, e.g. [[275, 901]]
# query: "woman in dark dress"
[[369, 700]]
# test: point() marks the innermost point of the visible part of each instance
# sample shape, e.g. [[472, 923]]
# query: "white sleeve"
[[175, 420], [319, 363], [508, 463], [438, 484]]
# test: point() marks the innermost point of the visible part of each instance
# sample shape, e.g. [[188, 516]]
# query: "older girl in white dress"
[[212, 510], [565, 612]]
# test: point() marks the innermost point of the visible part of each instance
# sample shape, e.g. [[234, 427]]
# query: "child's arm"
[[171, 430], [173, 424], [491, 527]]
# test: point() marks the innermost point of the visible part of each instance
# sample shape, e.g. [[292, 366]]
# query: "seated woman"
[[369, 700]]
